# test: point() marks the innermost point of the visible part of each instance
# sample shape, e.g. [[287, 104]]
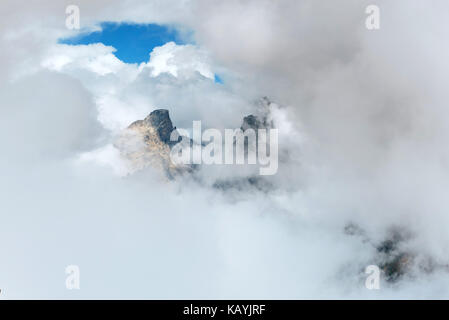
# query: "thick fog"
[[362, 137]]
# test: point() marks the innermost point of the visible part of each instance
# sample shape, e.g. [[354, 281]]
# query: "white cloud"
[[96, 58], [365, 128], [179, 60]]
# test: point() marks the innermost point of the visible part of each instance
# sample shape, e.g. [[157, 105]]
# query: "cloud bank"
[[362, 131]]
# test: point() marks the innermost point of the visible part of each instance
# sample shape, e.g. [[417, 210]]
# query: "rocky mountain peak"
[[160, 120], [255, 123], [261, 119], [146, 143]]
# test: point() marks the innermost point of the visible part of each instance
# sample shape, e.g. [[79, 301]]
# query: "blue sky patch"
[[217, 79], [133, 42]]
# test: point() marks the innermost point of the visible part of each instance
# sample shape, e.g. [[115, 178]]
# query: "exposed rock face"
[[252, 122], [395, 260], [260, 121], [244, 184], [255, 122], [391, 259], [146, 143], [161, 122], [395, 263]]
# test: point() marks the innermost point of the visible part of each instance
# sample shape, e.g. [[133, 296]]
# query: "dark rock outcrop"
[[159, 120], [255, 123], [394, 258], [146, 143]]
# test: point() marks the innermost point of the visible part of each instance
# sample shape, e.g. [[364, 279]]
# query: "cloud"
[[126, 92], [178, 60], [363, 129], [369, 103], [96, 58], [49, 115]]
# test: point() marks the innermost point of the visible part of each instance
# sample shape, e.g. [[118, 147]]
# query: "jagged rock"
[[395, 262], [160, 120], [392, 257], [262, 119], [244, 184], [146, 143], [255, 123], [252, 122]]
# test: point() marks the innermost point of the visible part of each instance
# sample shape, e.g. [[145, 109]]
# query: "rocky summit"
[[160, 120], [254, 122], [146, 143]]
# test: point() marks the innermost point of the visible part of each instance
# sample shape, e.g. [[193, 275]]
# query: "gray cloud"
[[367, 113]]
